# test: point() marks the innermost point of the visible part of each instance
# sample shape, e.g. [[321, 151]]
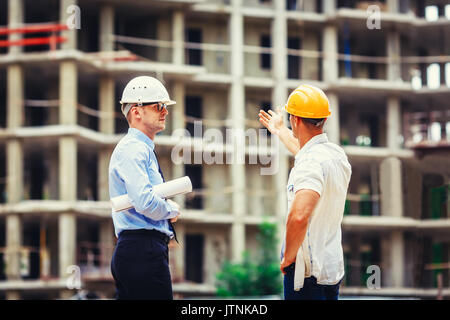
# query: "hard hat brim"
[[169, 103]]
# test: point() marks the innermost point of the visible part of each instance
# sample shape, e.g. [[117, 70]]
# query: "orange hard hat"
[[308, 101]]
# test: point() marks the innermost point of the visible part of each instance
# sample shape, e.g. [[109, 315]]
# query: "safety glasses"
[[160, 106]]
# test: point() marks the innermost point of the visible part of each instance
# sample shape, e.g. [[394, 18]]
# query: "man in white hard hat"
[[140, 265]]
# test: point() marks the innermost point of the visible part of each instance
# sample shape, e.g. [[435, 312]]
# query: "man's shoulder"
[[327, 151], [130, 145]]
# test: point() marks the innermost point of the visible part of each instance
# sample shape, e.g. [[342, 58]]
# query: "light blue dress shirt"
[[133, 170]]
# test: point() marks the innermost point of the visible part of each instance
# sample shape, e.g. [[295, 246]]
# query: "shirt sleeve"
[[309, 175], [132, 170]]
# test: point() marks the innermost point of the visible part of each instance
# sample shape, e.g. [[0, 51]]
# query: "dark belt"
[[152, 233]]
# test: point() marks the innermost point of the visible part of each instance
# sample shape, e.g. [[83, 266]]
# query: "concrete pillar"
[[14, 162], [67, 168], [15, 96], [107, 126], [393, 122], [106, 28], [15, 20], [13, 244], [14, 169], [393, 53], [178, 252], [178, 112], [237, 103], [332, 124], [178, 122], [68, 83], [391, 187], [68, 145], [178, 37], [106, 243], [279, 97], [104, 156], [393, 6], [329, 7], [330, 54], [67, 230], [393, 265], [67, 12], [107, 104]]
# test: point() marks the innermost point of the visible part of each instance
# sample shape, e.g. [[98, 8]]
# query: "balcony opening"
[[294, 61], [2, 246], [40, 172], [363, 125], [194, 113], [361, 5], [87, 101], [292, 5], [135, 28], [89, 257], [3, 85], [194, 56], [87, 174], [2, 174], [194, 256], [435, 257], [360, 252], [89, 41], [304, 6], [363, 197], [46, 11], [3, 21], [265, 58], [121, 124], [30, 266], [435, 194], [195, 199], [207, 42], [41, 96], [352, 42]]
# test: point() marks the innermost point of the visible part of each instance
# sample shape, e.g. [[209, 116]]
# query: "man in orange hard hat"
[[311, 256]]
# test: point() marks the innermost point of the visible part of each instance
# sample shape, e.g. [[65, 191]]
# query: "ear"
[[137, 113]]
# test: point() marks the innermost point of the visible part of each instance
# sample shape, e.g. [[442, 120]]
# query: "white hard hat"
[[143, 90]]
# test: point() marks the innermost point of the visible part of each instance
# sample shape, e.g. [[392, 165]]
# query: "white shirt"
[[323, 167]]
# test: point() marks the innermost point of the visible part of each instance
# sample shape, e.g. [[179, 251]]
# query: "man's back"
[[322, 166]]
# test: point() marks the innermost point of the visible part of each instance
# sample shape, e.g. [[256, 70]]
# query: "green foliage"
[[248, 278]]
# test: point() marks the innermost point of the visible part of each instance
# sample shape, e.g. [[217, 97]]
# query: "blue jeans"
[[311, 290]]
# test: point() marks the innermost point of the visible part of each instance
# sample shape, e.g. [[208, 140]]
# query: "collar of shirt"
[[320, 138], [142, 137]]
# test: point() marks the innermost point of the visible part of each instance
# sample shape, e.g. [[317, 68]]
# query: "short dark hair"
[[318, 123]]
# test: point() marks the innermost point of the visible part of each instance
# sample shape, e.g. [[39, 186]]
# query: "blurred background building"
[[222, 60]]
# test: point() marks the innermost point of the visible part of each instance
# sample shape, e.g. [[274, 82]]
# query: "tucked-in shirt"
[[134, 170], [323, 167]]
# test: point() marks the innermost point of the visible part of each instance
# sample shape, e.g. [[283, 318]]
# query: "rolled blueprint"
[[164, 190]]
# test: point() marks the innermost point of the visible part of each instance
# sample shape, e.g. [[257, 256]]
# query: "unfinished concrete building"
[[388, 83]]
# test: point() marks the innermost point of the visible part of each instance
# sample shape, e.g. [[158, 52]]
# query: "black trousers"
[[140, 266]]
